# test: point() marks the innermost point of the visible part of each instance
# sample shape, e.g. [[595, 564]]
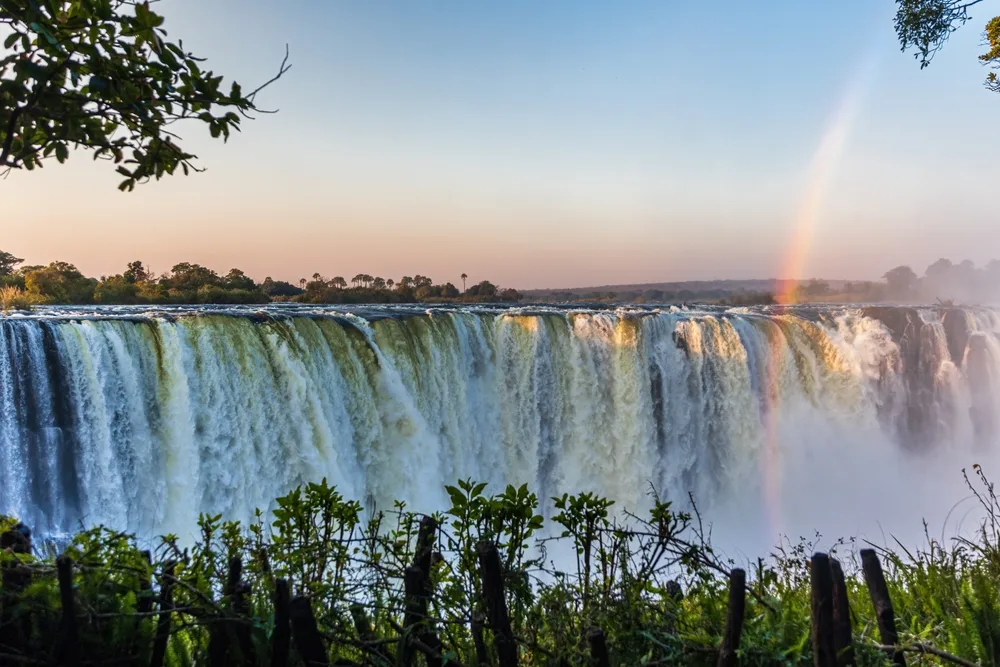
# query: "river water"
[[843, 420]]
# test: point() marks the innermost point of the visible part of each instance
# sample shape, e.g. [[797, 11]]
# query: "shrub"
[[15, 298]]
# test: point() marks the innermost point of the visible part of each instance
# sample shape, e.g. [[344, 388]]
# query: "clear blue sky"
[[552, 143]]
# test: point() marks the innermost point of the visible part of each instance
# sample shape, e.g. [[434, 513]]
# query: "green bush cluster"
[[653, 584]]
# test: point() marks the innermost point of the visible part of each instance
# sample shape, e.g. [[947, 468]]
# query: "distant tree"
[[939, 269], [464, 278], [428, 292], [186, 277], [100, 75], [422, 281], [60, 283], [901, 281], [405, 282], [117, 290], [510, 294], [449, 291], [925, 26], [8, 263], [339, 282], [279, 288], [136, 273], [378, 283], [358, 279], [317, 277], [302, 283], [816, 288], [236, 279], [389, 283], [486, 289]]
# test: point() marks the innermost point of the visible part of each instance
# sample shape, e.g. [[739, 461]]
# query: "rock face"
[[901, 322], [981, 389], [904, 325], [918, 421], [957, 328]]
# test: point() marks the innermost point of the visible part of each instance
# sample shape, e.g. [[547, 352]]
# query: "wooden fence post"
[[418, 591], [482, 653], [598, 648], [491, 572], [884, 613], [676, 595], [308, 641], [280, 638], [734, 619], [69, 641], [843, 641], [224, 630], [363, 626], [824, 653], [241, 608], [144, 604], [163, 623]]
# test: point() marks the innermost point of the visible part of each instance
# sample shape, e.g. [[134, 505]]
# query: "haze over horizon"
[[556, 145]]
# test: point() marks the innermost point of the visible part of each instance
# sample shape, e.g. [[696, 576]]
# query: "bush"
[[116, 290], [212, 294], [653, 584], [15, 298]]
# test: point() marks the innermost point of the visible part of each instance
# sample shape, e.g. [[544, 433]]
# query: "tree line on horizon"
[[186, 283], [943, 282]]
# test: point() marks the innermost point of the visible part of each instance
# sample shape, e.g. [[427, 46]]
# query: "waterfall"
[[141, 419]]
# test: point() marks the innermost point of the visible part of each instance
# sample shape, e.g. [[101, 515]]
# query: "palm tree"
[[302, 283], [317, 277], [464, 278], [356, 280], [390, 282], [339, 282], [378, 283]]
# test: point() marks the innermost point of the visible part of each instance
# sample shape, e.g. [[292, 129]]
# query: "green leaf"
[[9, 42]]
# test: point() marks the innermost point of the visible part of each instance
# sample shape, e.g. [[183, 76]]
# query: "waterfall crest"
[[142, 420]]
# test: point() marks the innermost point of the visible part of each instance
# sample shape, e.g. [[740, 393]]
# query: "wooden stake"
[[308, 641], [843, 642], [69, 642], [598, 648], [824, 653], [884, 613], [280, 638], [163, 623], [734, 619], [491, 572]]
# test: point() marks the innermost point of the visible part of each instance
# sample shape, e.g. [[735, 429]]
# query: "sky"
[[556, 144]]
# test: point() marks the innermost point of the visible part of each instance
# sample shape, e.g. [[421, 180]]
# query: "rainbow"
[[822, 169]]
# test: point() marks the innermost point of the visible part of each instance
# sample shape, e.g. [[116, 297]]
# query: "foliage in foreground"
[[101, 76], [653, 585]]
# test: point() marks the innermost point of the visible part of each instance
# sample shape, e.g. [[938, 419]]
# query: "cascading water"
[[140, 420]]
